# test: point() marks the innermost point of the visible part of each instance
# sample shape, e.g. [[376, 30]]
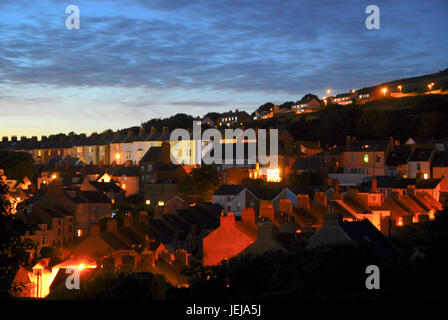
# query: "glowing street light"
[[430, 86], [148, 202], [328, 92], [400, 87], [384, 90]]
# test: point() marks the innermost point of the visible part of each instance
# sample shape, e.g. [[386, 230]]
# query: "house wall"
[[425, 167], [371, 168]]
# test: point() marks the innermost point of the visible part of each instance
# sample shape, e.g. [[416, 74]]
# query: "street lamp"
[[399, 87], [328, 91], [430, 86], [384, 90]]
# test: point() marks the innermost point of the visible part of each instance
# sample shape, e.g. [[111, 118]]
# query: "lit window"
[[79, 232], [273, 175], [366, 158]]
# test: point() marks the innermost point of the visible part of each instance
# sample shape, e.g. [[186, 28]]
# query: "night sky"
[[134, 60]]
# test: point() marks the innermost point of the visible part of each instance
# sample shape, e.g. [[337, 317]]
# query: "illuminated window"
[[273, 175], [366, 158], [79, 232]]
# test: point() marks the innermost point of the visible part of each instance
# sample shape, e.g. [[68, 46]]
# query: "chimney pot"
[[111, 225], [95, 229]]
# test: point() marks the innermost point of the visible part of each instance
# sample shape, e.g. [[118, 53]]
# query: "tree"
[[306, 178], [201, 183], [12, 250], [17, 165]]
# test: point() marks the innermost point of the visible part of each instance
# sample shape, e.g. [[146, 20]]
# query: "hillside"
[[424, 116]]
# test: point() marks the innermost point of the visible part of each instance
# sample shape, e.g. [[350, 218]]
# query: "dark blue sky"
[[133, 60]]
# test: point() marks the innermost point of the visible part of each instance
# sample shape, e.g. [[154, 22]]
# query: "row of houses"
[[106, 148]]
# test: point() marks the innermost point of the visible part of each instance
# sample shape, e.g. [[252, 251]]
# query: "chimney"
[[95, 229], [14, 138], [22, 138], [266, 211], [285, 206], [143, 217], [248, 215], [34, 138], [337, 196], [166, 158], [128, 221], [55, 187], [227, 220], [5, 139], [141, 131], [153, 130], [111, 225], [303, 201], [165, 130], [130, 133], [332, 219], [159, 212], [265, 230], [181, 257], [321, 198], [374, 185], [348, 141], [396, 194]]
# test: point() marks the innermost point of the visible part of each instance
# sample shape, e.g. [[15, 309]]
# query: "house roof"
[[152, 155], [228, 189], [441, 159], [367, 145], [401, 183], [397, 158], [89, 197], [365, 233], [266, 192], [421, 154], [106, 186], [129, 171]]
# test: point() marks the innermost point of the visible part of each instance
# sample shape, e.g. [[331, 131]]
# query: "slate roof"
[[106, 186], [228, 189], [400, 183], [421, 154], [152, 155], [266, 192], [129, 171], [89, 197], [441, 159], [365, 233], [398, 157], [367, 145]]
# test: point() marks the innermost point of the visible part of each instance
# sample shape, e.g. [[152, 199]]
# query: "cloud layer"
[[261, 48]]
